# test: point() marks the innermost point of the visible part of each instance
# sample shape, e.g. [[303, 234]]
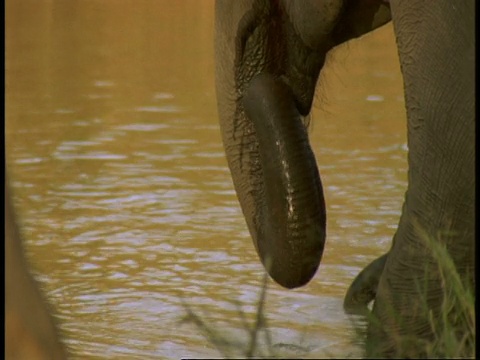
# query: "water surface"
[[123, 191]]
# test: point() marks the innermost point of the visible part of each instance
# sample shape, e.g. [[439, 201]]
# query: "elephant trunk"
[[291, 219]]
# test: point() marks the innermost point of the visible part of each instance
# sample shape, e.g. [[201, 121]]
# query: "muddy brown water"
[[123, 191]]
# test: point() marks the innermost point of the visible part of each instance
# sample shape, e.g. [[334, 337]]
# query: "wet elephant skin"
[[292, 215]]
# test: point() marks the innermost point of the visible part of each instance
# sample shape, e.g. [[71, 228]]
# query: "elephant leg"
[[418, 301], [364, 287]]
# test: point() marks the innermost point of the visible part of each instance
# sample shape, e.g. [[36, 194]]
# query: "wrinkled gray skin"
[[268, 58]]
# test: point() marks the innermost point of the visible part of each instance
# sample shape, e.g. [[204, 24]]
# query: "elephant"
[[30, 330], [268, 57]]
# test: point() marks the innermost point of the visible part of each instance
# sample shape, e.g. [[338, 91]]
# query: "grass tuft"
[[446, 315], [452, 326], [225, 344]]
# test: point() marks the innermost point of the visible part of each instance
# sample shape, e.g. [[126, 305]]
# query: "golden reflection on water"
[[127, 205]]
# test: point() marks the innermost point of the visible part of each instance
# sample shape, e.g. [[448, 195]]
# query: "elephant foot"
[[364, 288]]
